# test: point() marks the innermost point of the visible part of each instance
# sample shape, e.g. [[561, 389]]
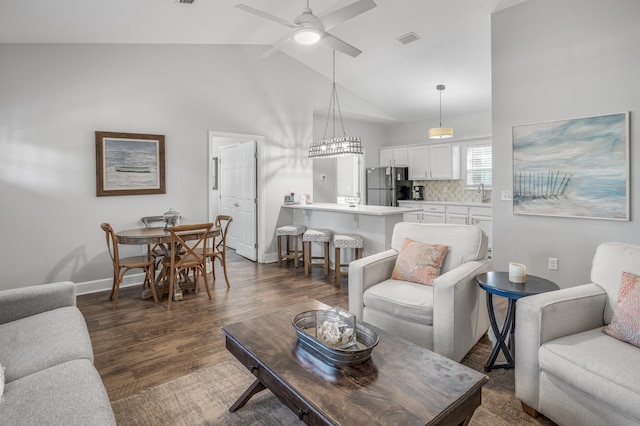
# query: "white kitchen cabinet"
[[434, 162], [418, 163], [430, 213], [394, 157], [481, 216], [458, 215]]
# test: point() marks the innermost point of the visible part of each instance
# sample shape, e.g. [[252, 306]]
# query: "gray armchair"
[[448, 317], [566, 367]]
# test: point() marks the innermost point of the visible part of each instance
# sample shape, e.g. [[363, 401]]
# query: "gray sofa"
[[47, 357], [566, 367]]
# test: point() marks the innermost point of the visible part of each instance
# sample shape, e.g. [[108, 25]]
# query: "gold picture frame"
[[129, 164]]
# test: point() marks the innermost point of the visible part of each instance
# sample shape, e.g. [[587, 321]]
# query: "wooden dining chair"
[[187, 253], [218, 249], [122, 265]]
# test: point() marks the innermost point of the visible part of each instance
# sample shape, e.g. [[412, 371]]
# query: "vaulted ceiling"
[[454, 46]]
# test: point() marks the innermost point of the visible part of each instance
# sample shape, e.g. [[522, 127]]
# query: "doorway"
[[233, 188]]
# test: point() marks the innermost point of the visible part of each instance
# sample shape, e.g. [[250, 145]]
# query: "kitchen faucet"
[[481, 189]]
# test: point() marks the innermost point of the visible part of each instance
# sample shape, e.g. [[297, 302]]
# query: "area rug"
[[204, 397]]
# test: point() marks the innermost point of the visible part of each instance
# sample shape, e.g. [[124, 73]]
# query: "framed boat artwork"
[[129, 164], [573, 168]]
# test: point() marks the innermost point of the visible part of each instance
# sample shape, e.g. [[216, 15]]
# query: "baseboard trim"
[[105, 284]]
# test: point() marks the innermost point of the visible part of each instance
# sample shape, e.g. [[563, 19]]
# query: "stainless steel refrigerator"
[[387, 185]]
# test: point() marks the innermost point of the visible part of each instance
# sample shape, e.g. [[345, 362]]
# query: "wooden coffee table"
[[401, 383]]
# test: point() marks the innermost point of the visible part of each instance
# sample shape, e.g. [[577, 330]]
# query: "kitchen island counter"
[[374, 223], [358, 209]]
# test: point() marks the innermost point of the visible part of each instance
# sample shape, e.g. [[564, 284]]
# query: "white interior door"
[[238, 195]]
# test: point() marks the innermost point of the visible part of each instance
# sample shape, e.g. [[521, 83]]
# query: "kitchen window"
[[478, 165]]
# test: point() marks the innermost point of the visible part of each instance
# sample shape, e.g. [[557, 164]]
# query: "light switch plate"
[[506, 195]]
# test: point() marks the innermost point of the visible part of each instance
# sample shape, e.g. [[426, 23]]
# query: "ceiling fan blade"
[[339, 16], [278, 45], [265, 15], [337, 44]]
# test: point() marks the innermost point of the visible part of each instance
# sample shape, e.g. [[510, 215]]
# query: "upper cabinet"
[[394, 157], [434, 162]]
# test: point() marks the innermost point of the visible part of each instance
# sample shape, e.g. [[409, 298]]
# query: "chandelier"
[[335, 146], [440, 132]]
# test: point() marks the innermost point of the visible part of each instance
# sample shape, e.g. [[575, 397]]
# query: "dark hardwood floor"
[[142, 345]]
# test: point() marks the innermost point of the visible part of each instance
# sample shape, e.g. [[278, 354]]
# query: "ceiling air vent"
[[408, 38], [185, 1]]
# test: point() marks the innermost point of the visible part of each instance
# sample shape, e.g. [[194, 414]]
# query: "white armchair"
[[566, 367], [448, 317]]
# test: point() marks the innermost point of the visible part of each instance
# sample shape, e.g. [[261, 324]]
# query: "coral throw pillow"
[[418, 262], [625, 324]]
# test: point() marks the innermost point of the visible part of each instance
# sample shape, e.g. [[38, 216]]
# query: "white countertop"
[[359, 209], [448, 203]]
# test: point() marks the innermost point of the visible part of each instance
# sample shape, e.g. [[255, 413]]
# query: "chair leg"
[[295, 250], [279, 238], [116, 292], [171, 283], [224, 266], [151, 276], [337, 267], [307, 256], [326, 259], [206, 281]]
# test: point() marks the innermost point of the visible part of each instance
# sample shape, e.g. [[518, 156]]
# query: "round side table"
[[498, 283]]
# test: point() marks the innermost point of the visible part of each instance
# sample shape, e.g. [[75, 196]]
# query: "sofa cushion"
[[67, 394], [419, 263], [43, 340], [401, 299], [598, 365], [625, 324]]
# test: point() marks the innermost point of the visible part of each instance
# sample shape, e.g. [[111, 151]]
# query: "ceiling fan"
[[309, 28]]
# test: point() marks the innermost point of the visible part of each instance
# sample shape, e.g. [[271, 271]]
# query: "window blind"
[[479, 165]]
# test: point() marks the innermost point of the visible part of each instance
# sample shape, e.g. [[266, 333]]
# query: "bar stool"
[[346, 241], [316, 236], [287, 232]]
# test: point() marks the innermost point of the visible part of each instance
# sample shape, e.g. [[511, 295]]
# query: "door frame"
[[213, 144]]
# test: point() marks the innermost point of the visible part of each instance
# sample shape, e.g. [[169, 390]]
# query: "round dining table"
[[161, 237]]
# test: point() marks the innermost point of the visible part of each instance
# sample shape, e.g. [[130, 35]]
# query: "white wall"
[[54, 97], [555, 60], [465, 127]]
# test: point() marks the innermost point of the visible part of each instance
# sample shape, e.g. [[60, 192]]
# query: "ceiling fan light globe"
[[306, 36]]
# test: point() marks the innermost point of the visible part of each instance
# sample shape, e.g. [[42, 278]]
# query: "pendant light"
[[335, 146], [440, 132]]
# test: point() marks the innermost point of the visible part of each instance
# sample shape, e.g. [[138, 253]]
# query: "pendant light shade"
[[335, 146], [440, 132]]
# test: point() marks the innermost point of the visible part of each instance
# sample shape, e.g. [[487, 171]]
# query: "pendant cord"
[[333, 103]]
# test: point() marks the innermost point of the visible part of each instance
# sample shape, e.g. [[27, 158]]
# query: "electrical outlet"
[[445, 190], [553, 263], [505, 195]]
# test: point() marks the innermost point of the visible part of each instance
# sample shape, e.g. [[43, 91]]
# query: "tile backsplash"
[[450, 190]]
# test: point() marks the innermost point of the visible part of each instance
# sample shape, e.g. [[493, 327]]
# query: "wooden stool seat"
[[287, 232], [346, 241], [316, 236]]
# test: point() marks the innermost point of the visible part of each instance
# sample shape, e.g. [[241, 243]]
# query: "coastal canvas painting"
[[129, 164], [573, 168]]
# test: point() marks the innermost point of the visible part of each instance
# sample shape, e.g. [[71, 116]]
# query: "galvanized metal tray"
[[366, 339]]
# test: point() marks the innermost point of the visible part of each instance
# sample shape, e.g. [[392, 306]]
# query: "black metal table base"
[[508, 329]]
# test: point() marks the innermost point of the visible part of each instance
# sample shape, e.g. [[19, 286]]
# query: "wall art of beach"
[[576, 168]]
